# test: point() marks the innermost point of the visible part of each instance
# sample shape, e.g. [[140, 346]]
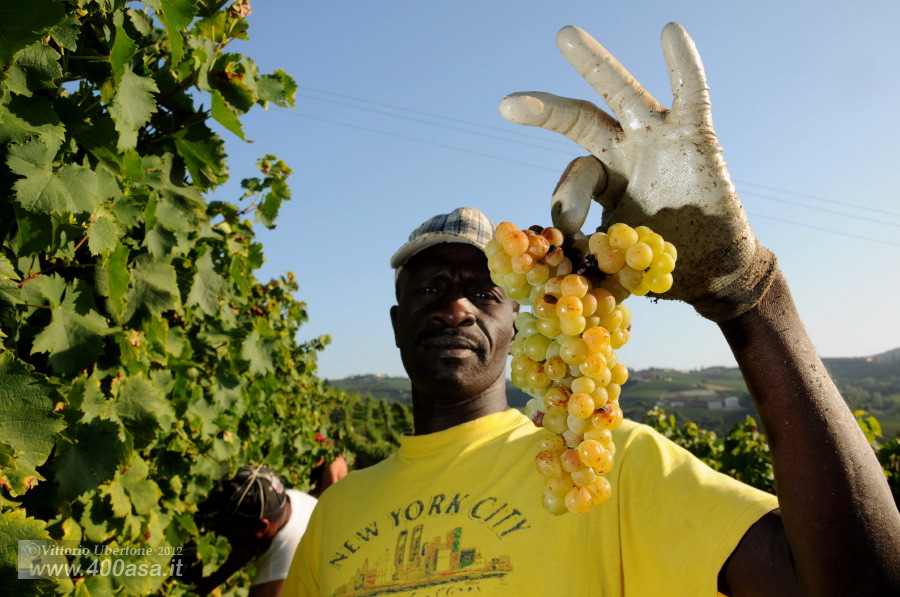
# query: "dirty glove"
[[656, 167]]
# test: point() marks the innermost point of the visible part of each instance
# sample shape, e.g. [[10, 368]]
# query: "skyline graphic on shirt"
[[417, 565]]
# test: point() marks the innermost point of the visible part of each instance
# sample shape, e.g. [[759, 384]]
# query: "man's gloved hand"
[[657, 167]]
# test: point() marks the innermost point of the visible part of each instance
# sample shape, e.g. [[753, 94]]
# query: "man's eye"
[[486, 295]]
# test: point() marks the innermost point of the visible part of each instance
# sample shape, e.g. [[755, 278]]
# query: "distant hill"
[[714, 398]]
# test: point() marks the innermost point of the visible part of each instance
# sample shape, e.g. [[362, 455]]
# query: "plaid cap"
[[462, 225], [253, 493]]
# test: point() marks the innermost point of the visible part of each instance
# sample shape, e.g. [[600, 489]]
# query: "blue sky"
[[397, 120]]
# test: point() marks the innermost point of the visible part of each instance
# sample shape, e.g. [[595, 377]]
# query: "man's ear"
[[261, 528], [394, 323]]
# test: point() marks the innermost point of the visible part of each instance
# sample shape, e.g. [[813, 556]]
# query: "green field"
[[867, 383]]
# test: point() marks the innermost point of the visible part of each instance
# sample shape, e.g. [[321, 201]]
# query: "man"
[[262, 521], [457, 509]]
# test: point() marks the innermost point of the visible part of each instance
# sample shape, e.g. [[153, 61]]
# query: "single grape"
[[598, 240], [503, 229], [536, 347], [653, 240], [581, 405], [610, 259], [555, 400], [600, 490], [537, 378], [628, 277], [551, 442], [500, 263], [556, 368], [572, 327], [555, 423], [583, 384], [548, 463], [515, 243], [579, 500], [554, 504], [538, 246], [659, 283], [569, 307], [538, 275], [621, 236], [639, 256], [574, 285], [545, 306], [619, 374], [571, 461], [548, 327], [573, 351], [584, 477], [559, 485], [554, 256], [600, 396]]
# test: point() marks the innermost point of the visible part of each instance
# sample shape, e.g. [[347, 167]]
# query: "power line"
[[446, 126], [822, 209], [416, 140], [853, 205], [558, 141], [521, 163], [516, 131], [823, 229]]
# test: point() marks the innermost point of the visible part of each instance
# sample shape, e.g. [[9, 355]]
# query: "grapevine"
[[563, 355]]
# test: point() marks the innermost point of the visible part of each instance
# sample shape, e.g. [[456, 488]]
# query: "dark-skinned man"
[[457, 509]]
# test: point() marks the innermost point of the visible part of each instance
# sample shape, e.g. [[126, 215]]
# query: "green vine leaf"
[[21, 24], [22, 117], [208, 286], [142, 408], [132, 107], [72, 338], [27, 422], [103, 233], [204, 155], [122, 52], [175, 16], [71, 188], [92, 457], [224, 115], [154, 287], [35, 67], [278, 88]]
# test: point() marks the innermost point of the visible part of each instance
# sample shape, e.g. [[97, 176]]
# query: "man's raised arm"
[[838, 531]]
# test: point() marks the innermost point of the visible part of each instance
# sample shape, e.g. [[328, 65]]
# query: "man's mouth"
[[449, 343]]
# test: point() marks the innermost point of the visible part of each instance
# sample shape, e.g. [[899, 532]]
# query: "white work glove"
[[656, 167]]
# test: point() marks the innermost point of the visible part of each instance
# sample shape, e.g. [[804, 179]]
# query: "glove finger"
[[580, 121], [583, 180], [629, 101], [686, 76]]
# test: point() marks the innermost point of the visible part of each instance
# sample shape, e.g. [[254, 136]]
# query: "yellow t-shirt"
[[459, 511]]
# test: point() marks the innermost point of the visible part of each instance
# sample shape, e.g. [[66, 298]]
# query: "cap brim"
[[421, 243]]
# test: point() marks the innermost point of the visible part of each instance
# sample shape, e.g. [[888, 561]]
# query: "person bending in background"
[[262, 521]]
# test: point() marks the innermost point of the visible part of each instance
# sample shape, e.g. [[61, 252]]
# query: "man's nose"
[[454, 311]]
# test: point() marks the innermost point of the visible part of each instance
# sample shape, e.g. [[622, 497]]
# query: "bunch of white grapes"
[[563, 355]]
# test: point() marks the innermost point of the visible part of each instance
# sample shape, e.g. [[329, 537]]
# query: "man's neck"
[[436, 411]]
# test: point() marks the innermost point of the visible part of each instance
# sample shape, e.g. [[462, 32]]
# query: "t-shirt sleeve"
[[302, 579], [678, 517]]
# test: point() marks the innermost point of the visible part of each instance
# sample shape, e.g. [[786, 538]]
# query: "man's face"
[[452, 324]]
